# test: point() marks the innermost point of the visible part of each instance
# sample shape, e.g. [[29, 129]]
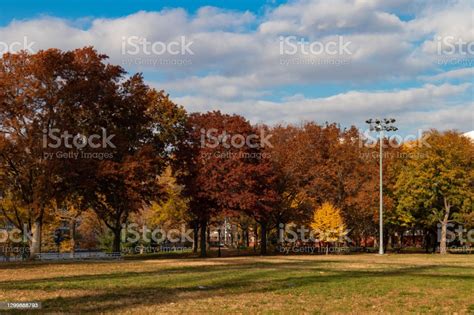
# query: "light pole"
[[381, 125]]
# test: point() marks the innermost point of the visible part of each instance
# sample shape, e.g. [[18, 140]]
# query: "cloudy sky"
[[277, 61]]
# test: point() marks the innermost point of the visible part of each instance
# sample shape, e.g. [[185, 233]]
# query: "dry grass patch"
[[277, 284]]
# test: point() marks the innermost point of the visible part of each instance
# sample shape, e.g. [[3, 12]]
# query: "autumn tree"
[[146, 126], [328, 224], [172, 209], [258, 193], [35, 97], [294, 206], [169, 212], [219, 166], [79, 93], [318, 163], [436, 182], [91, 230]]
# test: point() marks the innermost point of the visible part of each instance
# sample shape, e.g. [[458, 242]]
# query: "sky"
[[277, 61]]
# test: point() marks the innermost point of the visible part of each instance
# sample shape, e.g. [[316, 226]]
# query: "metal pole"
[[380, 125], [225, 230], [381, 198]]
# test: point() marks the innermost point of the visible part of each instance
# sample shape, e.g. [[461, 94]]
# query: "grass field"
[[279, 284]]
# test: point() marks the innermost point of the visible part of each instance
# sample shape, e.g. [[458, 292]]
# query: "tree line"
[[81, 138]]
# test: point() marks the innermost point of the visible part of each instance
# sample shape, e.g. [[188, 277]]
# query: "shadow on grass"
[[114, 291], [225, 265]]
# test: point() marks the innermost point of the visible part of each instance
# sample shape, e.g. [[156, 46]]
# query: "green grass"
[[279, 284]]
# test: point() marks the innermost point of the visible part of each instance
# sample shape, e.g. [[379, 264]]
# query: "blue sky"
[[244, 55], [74, 9]]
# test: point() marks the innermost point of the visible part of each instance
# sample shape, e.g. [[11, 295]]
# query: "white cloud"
[[237, 65], [427, 103], [312, 18], [459, 117], [225, 43], [211, 18]]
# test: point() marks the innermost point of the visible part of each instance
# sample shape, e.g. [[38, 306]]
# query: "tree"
[[146, 126], [79, 93], [328, 224], [169, 212], [436, 182], [219, 168], [38, 92], [259, 197], [294, 206], [172, 209], [91, 230], [317, 163]]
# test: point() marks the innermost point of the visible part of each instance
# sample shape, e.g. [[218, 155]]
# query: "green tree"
[[436, 182]]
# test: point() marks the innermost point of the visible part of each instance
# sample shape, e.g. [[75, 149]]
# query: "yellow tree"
[[172, 210], [328, 224]]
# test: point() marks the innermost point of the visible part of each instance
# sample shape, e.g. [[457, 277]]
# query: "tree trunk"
[[427, 240], [401, 240], [195, 237], [35, 246], [203, 240], [247, 238], [116, 242], [255, 237], [208, 236], [72, 226], [443, 248], [263, 244]]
